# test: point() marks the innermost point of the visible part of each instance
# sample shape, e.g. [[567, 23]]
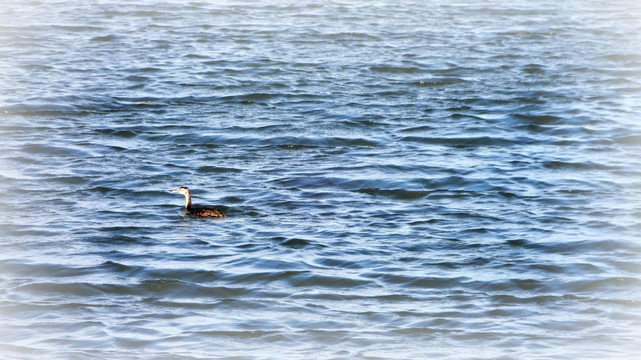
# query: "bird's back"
[[205, 211]]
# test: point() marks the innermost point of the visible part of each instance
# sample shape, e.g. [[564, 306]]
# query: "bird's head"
[[181, 190]]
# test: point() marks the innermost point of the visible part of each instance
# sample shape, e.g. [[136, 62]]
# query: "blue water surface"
[[404, 180]]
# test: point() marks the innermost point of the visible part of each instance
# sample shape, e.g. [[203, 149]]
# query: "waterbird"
[[199, 211]]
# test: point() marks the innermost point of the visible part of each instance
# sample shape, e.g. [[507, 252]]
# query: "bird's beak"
[[174, 190]]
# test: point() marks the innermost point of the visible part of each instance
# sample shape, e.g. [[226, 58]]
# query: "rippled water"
[[404, 179]]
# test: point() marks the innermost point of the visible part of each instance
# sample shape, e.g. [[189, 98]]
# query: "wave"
[[463, 142]]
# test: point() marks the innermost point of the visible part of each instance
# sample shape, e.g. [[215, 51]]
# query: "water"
[[405, 180]]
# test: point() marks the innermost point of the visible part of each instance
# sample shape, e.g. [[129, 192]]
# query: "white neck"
[[187, 200]]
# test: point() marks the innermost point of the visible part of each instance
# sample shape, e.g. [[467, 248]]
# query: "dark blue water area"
[[402, 180]]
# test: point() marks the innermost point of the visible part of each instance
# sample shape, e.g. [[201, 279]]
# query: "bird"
[[198, 211]]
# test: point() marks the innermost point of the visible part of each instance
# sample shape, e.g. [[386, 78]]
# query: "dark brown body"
[[205, 211]]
